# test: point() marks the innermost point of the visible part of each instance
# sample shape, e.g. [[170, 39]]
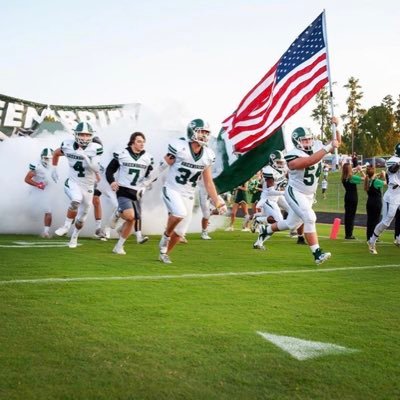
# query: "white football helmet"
[[303, 139], [46, 156], [83, 128], [277, 160], [198, 131]]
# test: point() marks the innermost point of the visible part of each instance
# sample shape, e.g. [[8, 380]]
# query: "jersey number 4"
[[78, 167]]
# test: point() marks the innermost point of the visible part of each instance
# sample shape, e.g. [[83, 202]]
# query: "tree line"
[[370, 132]]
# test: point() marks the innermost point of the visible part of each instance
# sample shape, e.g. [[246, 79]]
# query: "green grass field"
[[87, 324]]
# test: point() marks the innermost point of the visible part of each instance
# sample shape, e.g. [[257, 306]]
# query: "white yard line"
[[191, 276]]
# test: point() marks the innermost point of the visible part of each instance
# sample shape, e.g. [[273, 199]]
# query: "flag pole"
[[333, 127]]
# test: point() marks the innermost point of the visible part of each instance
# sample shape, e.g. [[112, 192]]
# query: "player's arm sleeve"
[[111, 169]]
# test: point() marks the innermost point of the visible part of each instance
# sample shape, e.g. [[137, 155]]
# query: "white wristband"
[[328, 148]]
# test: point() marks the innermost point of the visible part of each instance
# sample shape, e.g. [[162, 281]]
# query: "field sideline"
[[87, 324]]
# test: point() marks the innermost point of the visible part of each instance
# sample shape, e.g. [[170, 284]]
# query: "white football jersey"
[[188, 167], [304, 180], [393, 179], [42, 174], [133, 168], [279, 178], [79, 170]]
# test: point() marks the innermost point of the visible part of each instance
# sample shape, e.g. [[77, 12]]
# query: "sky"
[[187, 59]]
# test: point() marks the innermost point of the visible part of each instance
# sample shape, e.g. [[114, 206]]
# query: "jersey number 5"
[[310, 174]]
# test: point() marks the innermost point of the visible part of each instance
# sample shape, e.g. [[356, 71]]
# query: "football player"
[[39, 177], [272, 200], [84, 165], [304, 163], [188, 160], [129, 175], [391, 198]]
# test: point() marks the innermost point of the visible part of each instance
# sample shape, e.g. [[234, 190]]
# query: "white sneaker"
[[205, 236], [114, 220], [183, 240], [254, 225], [229, 229], [164, 258], [245, 229], [100, 234], [45, 235], [142, 240], [62, 231], [163, 245], [372, 248], [119, 250], [73, 243]]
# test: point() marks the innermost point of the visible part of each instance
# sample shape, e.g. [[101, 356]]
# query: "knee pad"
[[309, 225], [74, 206]]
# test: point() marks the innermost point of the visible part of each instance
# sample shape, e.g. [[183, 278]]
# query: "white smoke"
[[20, 212]]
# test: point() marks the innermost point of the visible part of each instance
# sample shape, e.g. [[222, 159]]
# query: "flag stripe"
[[283, 85], [318, 86], [297, 76], [277, 109], [293, 105], [285, 88]]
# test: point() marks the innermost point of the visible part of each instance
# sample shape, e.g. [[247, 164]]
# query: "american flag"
[[299, 74]]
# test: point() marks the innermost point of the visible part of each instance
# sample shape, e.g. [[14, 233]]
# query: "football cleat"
[[142, 240], [73, 243], [107, 232], [245, 229], [320, 257], [396, 242], [183, 240], [301, 240], [254, 227], [258, 246], [164, 258], [100, 234], [62, 231], [229, 229], [45, 235], [372, 248], [119, 250], [114, 219], [205, 236]]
